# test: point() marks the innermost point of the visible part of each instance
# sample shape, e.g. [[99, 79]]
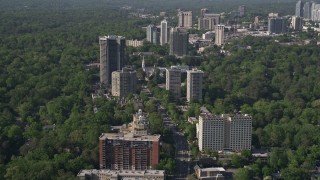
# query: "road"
[[182, 154]]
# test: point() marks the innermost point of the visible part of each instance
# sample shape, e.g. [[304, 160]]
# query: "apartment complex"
[[194, 84], [219, 29], [112, 56], [296, 23], [242, 10], [208, 21], [277, 25], [152, 34], [120, 151], [179, 41], [224, 132], [163, 32], [134, 43], [185, 19], [173, 82], [104, 174], [124, 82]]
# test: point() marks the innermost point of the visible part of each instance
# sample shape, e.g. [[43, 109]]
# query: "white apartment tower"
[[173, 82], [224, 132], [194, 84], [185, 19], [219, 35], [211, 132], [164, 32]]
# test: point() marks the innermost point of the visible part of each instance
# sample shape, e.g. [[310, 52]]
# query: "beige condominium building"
[[219, 35], [124, 82], [185, 19]]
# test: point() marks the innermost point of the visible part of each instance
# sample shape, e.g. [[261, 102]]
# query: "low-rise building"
[[213, 173]]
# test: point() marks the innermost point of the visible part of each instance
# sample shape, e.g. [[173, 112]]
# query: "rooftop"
[[129, 137], [115, 173]]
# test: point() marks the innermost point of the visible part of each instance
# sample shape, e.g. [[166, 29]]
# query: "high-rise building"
[[296, 23], [194, 84], [163, 32], [307, 10], [277, 25], [203, 11], [173, 82], [208, 21], [242, 10], [224, 132], [120, 151], [112, 56], [211, 132], [179, 41], [152, 34], [124, 82], [185, 19], [315, 15], [299, 9], [219, 30]]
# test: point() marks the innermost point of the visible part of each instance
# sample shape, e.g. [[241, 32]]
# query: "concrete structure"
[[120, 151], [315, 12], [163, 32], [277, 25], [112, 56], [185, 19], [299, 9], [140, 123], [152, 34], [179, 41], [124, 82], [307, 10], [242, 10], [104, 174], [173, 82], [224, 132], [208, 35], [208, 21], [194, 84], [134, 43], [213, 173], [296, 23], [219, 30]]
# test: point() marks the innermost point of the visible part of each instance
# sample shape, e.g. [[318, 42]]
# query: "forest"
[[48, 129]]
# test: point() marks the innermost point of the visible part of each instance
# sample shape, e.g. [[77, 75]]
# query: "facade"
[[194, 84], [134, 43], [296, 23], [179, 41], [307, 9], [211, 134], [212, 173], [120, 151], [173, 82], [203, 11], [208, 21], [299, 9], [185, 19], [103, 174], [224, 132], [152, 34], [112, 56], [219, 30], [140, 123], [242, 10], [277, 25], [124, 82], [163, 32]]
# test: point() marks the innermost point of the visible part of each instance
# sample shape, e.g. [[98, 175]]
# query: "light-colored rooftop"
[[129, 137], [115, 173]]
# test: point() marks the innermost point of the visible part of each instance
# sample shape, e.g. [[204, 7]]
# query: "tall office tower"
[[238, 132], [152, 34], [112, 56], [173, 82], [194, 84], [224, 132], [185, 19], [299, 9], [164, 32], [211, 132], [315, 12], [124, 82], [179, 41], [277, 25], [296, 23], [242, 10], [140, 123], [208, 21], [203, 11], [307, 10], [219, 35], [128, 151]]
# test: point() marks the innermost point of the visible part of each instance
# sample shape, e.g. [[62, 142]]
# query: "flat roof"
[[129, 137], [115, 173]]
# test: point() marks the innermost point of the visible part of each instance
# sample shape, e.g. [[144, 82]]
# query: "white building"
[[219, 35], [134, 43], [185, 19], [163, 32], [224, 132]]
